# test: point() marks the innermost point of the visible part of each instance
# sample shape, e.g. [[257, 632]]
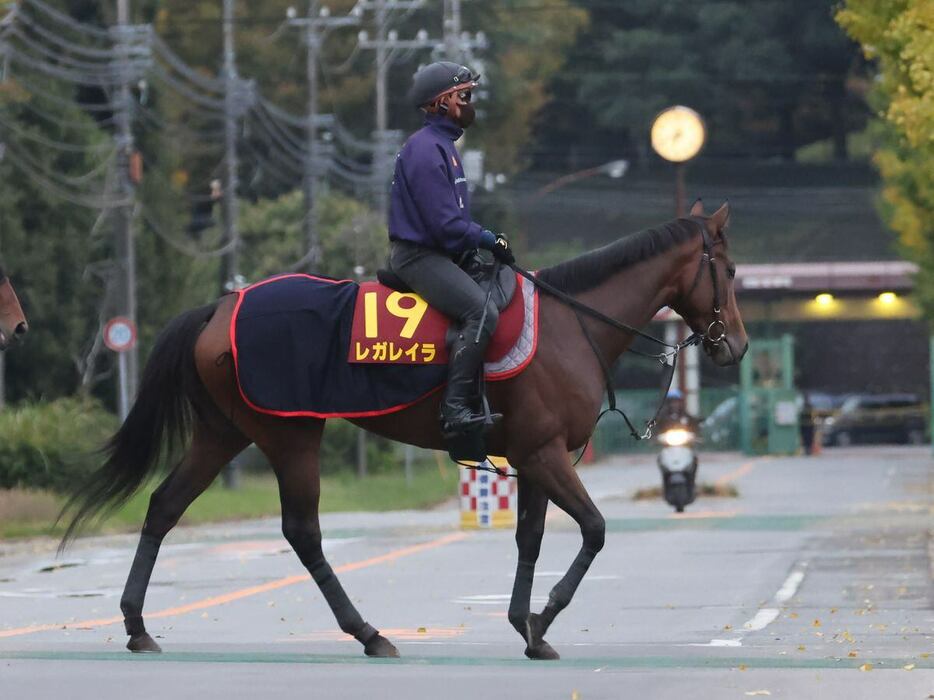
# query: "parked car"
[[869, 418], [720, 429]]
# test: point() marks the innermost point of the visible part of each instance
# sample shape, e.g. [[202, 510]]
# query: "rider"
[[430, 228], [675, 415]]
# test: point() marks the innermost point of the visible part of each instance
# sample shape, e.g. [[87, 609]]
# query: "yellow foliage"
[[899, 36]]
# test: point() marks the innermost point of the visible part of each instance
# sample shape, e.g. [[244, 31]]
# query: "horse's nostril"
[[21, 329]]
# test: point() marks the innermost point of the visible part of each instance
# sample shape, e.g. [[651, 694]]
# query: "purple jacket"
[[429, 203]]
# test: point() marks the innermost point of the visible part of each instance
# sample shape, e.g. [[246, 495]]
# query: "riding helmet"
[[437, 78]]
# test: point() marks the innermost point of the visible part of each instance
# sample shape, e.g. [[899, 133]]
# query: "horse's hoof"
[[381, 647], [537, 647], [143, 644], [543, 652]]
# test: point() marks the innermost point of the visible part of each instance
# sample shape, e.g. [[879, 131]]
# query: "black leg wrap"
[[134, 594], [366, 633], [348, 619], [521, 594], [134, 625]]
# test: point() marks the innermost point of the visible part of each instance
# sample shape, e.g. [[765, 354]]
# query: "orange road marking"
[[738, 473], [243, 592]]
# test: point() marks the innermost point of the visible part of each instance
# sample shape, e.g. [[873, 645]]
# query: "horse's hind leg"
[[208, 453], [533, 505], [292, 446]]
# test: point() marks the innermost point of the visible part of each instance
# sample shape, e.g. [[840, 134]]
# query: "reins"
[[663, 357]]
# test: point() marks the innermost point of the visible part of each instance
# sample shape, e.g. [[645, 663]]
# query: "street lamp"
[[678, 134], [614, 168]]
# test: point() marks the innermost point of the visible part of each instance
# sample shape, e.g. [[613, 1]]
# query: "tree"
[[54, 249], [898, 35], [274, 241], [768, 76]]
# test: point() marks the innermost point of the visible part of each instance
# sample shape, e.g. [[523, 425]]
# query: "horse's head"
[[706, 299], [12, 320]]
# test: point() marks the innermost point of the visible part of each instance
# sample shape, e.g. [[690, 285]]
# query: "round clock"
[[678, 134]]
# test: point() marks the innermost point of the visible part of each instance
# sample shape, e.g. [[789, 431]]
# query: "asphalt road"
[[814, 583]]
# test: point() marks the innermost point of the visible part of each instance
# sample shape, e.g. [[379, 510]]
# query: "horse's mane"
[[590, 269]]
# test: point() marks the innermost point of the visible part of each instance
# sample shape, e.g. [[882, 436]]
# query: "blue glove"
[[487, 239]]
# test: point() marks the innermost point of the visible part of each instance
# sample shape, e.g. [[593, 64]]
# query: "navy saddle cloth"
[[290, 337]]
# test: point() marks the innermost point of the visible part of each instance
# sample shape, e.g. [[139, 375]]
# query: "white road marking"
[[790, 587], [764, 616]]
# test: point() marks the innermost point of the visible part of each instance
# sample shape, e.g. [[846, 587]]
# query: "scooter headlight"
[[675, 437]]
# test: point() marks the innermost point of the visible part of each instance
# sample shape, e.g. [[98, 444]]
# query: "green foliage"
[[52, 445], [529, 45], [49, 248], [274, 238], [339, 450], [766, 76], [899, 37]]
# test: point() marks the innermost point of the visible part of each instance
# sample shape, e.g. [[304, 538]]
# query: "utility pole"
[[230, 266], [452, 31], [382, 110], [386, 46], [125, 244], [318, 19]]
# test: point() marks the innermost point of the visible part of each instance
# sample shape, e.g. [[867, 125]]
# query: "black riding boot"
[[460, 403]]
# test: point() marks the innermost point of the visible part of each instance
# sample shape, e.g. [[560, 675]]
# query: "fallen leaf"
[[865, 667], [743, 667], [793, 616], [833, 610], [925, 655], [575, 695], [801, 647], [421, 630], [852, 654], [908, 667], [758, 692]]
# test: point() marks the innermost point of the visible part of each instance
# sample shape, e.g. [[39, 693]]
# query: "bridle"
[[716, 331], [714, 335]]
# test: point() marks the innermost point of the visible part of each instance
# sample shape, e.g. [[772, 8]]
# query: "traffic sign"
[[120, 334]]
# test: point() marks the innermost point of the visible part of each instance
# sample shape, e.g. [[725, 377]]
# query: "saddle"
[[480, 270]]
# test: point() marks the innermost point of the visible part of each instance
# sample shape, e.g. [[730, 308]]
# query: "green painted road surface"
[[814, 583]]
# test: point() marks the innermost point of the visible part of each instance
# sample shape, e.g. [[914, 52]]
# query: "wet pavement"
[[814, 583]]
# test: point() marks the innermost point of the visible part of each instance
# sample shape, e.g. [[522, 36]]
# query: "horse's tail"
[[159, 420]]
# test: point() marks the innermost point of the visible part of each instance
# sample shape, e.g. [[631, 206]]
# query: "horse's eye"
[[731, 271]]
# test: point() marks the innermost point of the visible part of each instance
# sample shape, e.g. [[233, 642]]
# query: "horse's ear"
[[697, 209], [721, 217]]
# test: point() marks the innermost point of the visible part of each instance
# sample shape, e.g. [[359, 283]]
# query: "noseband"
[[716, 331]]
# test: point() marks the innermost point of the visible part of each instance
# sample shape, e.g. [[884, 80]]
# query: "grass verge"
[[32, 513], [703, 489]]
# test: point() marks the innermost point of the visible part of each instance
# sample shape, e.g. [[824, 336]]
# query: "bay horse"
[[190, 387], [13, 324]]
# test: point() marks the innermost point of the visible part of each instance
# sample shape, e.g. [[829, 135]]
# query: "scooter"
[[677, 462]]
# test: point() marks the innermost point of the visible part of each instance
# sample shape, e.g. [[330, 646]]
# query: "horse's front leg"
[[532, 507], [550, 467]]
